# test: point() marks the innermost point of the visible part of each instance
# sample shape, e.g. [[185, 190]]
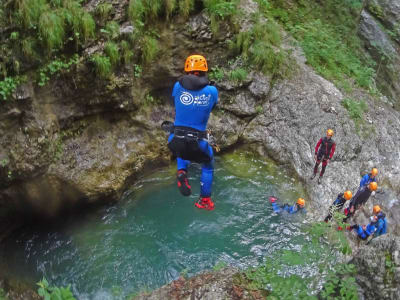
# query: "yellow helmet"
[[373, 186], [348, 195], [329, 132], [374, 171], [196, 63], [301, 201], [376, 209]]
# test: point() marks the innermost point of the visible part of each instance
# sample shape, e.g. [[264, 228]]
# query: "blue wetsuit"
[[366, 179], [364, 234], [382, 225], [194, 100], [289, 209]]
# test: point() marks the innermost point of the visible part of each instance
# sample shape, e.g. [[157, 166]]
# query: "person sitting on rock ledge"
[[381, 227], [365, 231], [338, 204], [297, 207], [194, 100], [360, 198], [368, 178], [324, 151]]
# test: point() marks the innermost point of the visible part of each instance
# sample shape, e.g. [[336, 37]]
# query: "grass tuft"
[[104, 10], [150, 48], [102, 65], [51, 27], [127, 53], [112, 51]]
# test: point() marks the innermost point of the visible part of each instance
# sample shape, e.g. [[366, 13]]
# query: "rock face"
[[380, 30], [382, 259], [207, 286]]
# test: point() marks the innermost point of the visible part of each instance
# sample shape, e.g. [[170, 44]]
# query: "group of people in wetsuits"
[[368, 186], [194, 98]]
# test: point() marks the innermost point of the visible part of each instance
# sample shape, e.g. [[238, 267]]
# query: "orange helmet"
[[301, 201], [348, 195], [376, 209], [196, 63], [373, 186], [374, 171], [329, 132]]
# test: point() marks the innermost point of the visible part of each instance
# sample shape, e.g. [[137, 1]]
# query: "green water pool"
[[154, 234]]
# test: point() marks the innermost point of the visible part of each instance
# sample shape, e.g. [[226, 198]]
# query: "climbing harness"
[[188, 136]]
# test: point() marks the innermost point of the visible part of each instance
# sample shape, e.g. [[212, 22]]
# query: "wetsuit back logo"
[[186, 98]]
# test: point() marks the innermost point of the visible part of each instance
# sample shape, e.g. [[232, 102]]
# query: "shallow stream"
[[154, 234]]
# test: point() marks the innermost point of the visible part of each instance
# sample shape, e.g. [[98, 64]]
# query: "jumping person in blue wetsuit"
[[298, 207], [194, 100], [381, 227]]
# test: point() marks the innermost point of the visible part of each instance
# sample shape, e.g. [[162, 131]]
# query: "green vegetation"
[[356, 110], [327, 31], [56, 66], [219, 266], [112, 51], [340, 283], [220, 10], [143, 12], [271, 280], [137, 71], [126, 52], [48, 292], [216, 74], [238, 75], [390, 267], [8, 86], [3, 295], [102, 65], [150, 49], [261, 47], [104, 10], [111, 30]]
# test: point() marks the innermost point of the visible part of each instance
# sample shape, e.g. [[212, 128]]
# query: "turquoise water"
[[154, 234]]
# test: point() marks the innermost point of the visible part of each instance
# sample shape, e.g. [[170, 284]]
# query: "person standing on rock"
[[360, 198], [338, 204], [324, 151], [194, 100]]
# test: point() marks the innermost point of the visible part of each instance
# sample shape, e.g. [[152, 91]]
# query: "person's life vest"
[[326, 146]]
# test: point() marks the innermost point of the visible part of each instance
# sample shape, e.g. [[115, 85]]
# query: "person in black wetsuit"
[[338, 204], [324, 151], [360, 198]]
